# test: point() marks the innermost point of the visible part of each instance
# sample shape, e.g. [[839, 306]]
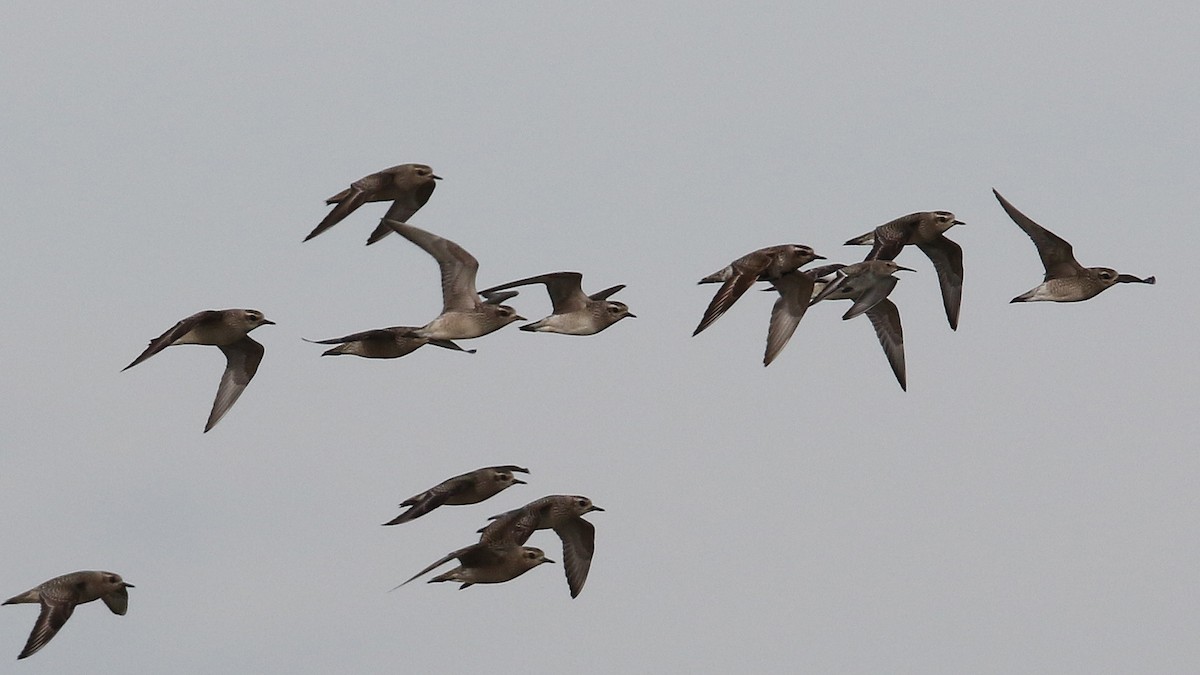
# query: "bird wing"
[[52, 617], [181, 328], [885, 318], [604, 294], [795, 289], [745, 273], [373, 334], [947, 260], [347, 201], [457, 266], [1057, 256], [402, 209], [117, 600], [241, 363], [579, 542], [565, 290], [871, 296]]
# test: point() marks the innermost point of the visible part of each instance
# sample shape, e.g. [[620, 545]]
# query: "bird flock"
[[501, 553]]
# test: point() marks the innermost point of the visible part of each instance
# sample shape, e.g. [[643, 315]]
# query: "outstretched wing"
[[795, 289], [1057, 256], [49, 621], [457, 266], [173, 333], [885, 318], [947, 260], [241, 363], [579, 542]]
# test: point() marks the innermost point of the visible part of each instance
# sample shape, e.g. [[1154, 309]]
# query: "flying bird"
[[226, 329], [561, 513], [575, 312], [383, 343], [468, 488], [463, 315], [867, 282], [883, 315], [59, 596], [1066, 280], [485, 563], [765, 264], [407, 186], [926, 229]]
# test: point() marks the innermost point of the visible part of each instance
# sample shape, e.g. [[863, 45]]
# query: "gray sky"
[[1030, 505]]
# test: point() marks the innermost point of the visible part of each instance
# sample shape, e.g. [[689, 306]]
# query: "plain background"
[[1030, 505]]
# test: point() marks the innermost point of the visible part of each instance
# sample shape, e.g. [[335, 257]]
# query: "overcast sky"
[[1029, 505]]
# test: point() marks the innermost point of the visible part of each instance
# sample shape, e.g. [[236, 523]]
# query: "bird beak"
[[518, 480], [596, 508], [819, 257], [1130, 279], [631, 315], [520, 318], [268, 322], [128, 585], [906, 269], [435, 176], [547, 560], [958, 222]]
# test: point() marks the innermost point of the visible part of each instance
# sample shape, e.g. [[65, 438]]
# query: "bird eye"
[[581, 502]]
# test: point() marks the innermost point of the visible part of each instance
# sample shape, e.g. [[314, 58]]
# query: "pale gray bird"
[[765, 264], [927, 230], [561, 513], [59, 596], [867, 282], [884, 317], [486, 563], [407, 186], [226, 329], [383, 343], [463, 315], [468, 488], [1066, 280], [575, 312]]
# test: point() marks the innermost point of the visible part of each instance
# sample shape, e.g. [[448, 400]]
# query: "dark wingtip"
[[1016, 299], [1149, 280]]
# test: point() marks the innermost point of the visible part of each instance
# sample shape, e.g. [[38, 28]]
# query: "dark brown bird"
[[765, 264], [407, 186], [468, 488], [59, 596], [927, 230], [383, 343]]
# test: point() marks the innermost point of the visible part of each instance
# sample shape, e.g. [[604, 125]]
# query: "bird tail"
[[27, 596]]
